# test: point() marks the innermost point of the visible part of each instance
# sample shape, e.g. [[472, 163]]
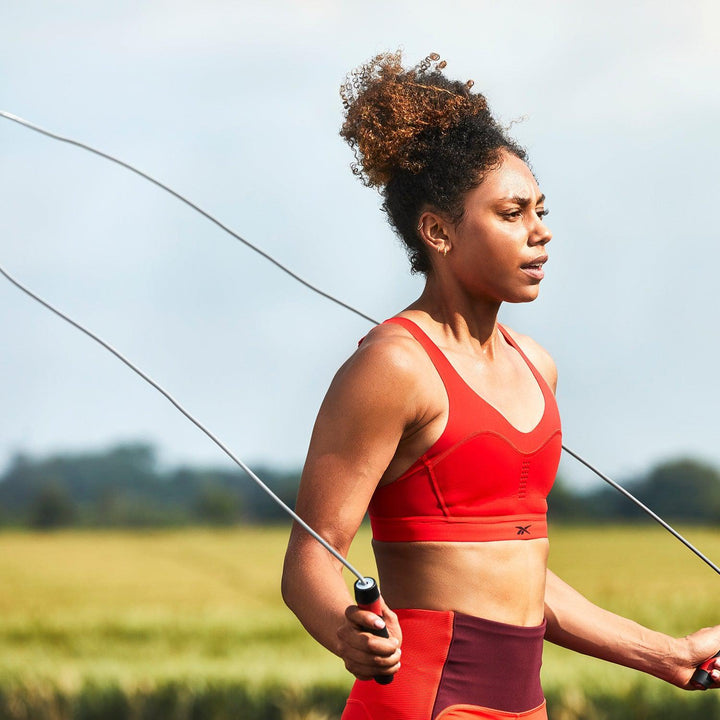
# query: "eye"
[[542, 213], [512, 214]]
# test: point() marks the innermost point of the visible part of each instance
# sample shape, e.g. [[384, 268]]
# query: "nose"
[[540, 234]]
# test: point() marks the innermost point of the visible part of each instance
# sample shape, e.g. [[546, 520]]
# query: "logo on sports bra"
[[523, 529]]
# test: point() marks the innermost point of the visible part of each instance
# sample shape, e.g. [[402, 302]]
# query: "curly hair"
[[422, 139]]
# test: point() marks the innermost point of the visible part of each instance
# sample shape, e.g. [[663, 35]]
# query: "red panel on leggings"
[[426, 639]]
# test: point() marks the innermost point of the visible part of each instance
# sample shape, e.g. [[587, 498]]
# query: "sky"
[[236, 105]]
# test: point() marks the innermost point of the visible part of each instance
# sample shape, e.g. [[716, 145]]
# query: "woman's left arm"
[[575, 623]]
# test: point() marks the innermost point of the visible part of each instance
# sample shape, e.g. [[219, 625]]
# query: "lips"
[[535, 264], [534, 268]]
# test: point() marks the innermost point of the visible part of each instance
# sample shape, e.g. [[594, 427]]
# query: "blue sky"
[[236, 105]]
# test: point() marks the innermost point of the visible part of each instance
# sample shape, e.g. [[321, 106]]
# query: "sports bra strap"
[[538, 375], [447, 372], [441, 363]]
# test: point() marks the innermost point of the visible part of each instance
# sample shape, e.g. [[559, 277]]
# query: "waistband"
[[490, 628], [459, 529], [473, 712]]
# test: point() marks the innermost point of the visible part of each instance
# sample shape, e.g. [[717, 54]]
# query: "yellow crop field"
[[198, 606]]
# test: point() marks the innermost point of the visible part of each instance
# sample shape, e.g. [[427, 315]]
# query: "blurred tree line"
[[682, 490], [126, 487]]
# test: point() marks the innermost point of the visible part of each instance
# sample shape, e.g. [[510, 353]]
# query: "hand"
[[696, 649], [365, 654]]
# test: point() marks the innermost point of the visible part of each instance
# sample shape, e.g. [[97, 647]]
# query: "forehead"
[[512, 179]]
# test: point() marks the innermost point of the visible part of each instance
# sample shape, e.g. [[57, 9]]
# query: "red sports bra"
[[483, 479]]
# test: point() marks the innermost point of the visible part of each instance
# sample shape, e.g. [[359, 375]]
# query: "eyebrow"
[[523, 201]]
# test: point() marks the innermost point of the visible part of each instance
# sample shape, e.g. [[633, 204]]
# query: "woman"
[[444, 425]]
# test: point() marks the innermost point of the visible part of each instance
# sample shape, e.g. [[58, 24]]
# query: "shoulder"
[[386, 369], [391, 342], [537, 355], [388, 354]]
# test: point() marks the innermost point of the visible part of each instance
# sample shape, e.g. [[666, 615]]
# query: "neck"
[[464, 318]]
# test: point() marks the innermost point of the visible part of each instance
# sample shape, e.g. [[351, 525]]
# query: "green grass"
[[116, 617], [162, 605], [638, 572]]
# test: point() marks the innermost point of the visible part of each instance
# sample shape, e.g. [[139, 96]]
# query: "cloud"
[[236, 105]]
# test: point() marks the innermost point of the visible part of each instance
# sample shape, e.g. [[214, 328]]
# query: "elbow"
[[286, 589], [289, 583]]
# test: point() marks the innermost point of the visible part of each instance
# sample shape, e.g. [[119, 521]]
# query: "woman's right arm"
[[371, 404]]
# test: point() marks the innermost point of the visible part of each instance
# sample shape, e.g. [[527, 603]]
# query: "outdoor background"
[[236, 105], [123, 611]]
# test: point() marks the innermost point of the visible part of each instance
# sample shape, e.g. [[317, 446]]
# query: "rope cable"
[[315, 289]]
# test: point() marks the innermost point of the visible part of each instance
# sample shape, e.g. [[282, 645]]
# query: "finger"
[[392, 623], [387, 612], [364, 618], [367, 643], [362, 675], [367, 667], [367, 656]]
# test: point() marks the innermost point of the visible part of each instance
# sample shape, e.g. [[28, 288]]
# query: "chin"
[[524, 297]]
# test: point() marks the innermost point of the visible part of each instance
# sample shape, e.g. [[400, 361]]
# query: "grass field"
[[195, 607]]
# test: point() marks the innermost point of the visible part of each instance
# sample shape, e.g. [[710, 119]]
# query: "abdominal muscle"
[[502, 581]]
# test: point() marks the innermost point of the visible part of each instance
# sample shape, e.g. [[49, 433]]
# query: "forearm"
[[314, 589], [577, 624]]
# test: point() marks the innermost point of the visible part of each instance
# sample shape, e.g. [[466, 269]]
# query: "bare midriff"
[[502, 581]]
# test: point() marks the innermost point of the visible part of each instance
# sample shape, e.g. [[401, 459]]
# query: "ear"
[[433, 230]]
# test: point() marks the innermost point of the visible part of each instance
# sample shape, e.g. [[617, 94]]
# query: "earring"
[[445, 251]]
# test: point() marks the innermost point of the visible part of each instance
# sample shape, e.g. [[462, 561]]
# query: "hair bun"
[[388, 109]]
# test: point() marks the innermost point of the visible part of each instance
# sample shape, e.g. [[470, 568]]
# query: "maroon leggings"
[[457, 667]]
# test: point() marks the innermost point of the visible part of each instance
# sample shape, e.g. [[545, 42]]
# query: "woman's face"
[[498, 248]]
